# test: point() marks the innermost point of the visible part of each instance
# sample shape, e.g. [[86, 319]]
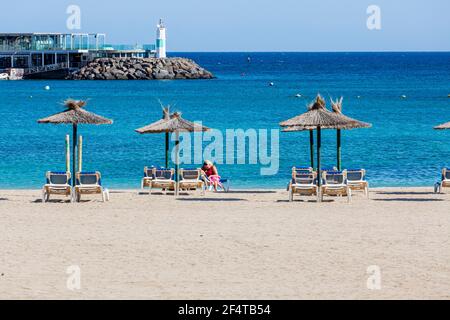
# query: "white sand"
[[242, 245]]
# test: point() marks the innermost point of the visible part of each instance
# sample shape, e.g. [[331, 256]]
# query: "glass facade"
[[38, 50], [51, 42], [5, 62]]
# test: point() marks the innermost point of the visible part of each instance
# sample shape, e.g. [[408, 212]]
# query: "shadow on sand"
[[157, 194], [306, 201], [405, 193], [251, 192], [409, 200], [170, 193], [212, 199], [52, 201]]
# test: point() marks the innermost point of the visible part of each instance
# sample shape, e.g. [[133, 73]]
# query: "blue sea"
[[401, 149]]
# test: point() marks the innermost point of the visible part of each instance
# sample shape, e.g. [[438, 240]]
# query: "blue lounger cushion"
[[89, 173], [334, 172], [58, 173]]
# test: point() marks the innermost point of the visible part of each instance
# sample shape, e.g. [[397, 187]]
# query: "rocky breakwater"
[[141, 69]]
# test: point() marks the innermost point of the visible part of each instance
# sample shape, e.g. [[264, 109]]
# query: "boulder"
[[141, 69], [140, 75], [109, 76], [161, 74], [149, 71]]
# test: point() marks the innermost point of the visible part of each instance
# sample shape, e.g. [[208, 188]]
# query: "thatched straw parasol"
[[445, 126], [316, 118], [75, 115], [351, 124], [172, 123]]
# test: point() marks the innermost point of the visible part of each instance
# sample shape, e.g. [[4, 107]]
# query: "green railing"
[[51, 47], [127, 47]]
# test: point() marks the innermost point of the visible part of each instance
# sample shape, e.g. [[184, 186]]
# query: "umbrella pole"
[[177, 160], [80, 154], [319, 169], [167, 150], [339, 149], [67, 153], [74, 152], [311, 147]]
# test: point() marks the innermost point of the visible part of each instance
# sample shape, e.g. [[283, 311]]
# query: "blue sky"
[[247, 25]]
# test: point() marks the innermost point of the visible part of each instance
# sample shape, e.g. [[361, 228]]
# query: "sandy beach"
[[241, 245]]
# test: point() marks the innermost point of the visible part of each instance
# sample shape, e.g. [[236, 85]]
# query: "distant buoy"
[[403, 97], [271, 84], [448, 96], [359, 97], [47, 88], [298, 95]]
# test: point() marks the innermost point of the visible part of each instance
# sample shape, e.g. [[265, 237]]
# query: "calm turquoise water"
[[400, 149]]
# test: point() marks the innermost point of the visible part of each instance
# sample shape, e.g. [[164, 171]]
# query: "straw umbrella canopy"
[[445, 126], [172, 123], [351, 124], [316, 118], [75, 115]]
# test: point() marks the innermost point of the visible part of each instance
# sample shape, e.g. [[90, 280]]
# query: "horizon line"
[[320, 51]]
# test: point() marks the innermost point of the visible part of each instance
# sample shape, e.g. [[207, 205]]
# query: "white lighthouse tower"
[[161, 40]]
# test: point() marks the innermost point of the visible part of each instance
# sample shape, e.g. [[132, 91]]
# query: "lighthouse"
[[161, 40]]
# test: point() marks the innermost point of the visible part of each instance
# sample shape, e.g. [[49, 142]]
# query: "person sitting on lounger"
[[211, 172]]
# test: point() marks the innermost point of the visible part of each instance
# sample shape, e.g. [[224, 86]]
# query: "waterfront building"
[[48, 52]]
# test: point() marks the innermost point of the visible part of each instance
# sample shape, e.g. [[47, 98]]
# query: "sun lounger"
[[303, 184], [224, 184], [58, 183], [356, 180], [162, 179], [190, 179], [148, 177], [445, 181], [335, 184], [90, 183], [301, 170]]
